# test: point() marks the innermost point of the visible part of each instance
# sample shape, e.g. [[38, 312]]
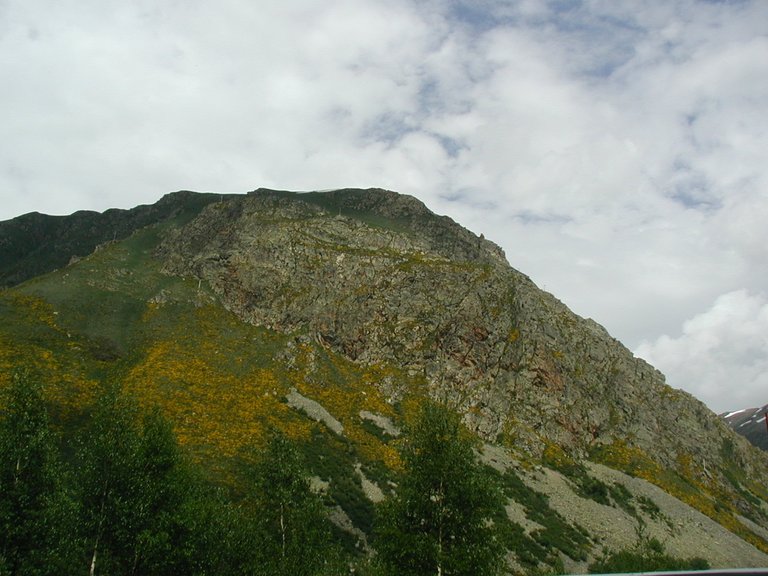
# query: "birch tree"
[[130, 490], [36, 513], [295, 536], [439, 522]]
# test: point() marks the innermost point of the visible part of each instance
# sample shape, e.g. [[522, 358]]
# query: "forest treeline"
[[119, 497]]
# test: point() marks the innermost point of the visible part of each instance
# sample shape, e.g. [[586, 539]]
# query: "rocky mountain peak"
[[327, 313], [379, 278], [750, 423]]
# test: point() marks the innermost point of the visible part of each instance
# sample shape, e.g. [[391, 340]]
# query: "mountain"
[[34, 243], [331, 316], [751, 424]]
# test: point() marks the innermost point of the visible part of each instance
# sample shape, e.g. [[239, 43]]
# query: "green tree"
[[133, 490], [293, 528], [164, 488], [36, 513], [213, 535], [439, 522], [109, 482]]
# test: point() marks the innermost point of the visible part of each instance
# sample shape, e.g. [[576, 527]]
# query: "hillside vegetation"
[[330, 319]]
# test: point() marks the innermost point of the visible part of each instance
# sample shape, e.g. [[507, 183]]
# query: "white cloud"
[[722, 354]]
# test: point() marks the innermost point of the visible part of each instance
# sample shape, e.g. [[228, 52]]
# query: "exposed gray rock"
[[370, 489], [314, 410], [382, 422], [683, 531], [342, 520], [377, 277]]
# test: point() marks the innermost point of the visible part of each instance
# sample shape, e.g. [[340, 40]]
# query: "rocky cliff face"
[[379, 278], [346, 291]]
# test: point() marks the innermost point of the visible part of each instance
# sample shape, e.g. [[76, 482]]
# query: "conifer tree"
[[439, 522]]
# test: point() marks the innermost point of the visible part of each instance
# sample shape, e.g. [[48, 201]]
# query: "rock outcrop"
[[329, 316], [376, 276]]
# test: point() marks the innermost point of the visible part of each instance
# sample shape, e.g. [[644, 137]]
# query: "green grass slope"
[[35, 244], [114, 316]]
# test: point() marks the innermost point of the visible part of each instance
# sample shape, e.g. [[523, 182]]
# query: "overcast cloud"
[[618, 156]]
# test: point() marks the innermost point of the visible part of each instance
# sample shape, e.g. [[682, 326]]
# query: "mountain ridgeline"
[[331, 316], [750, 423], [379, 279], [36, 243]]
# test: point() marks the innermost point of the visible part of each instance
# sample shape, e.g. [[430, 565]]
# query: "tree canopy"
[[36, 511], [439, 522], [294, 530]]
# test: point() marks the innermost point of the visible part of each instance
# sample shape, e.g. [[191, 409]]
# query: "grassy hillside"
[[35, 244], [114, 316]]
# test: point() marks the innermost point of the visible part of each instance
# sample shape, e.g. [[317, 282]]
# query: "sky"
[[616, 150]]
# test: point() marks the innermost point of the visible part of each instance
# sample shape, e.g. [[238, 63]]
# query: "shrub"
[[647, 556]]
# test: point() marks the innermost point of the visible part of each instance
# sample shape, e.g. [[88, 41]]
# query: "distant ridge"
[[35, 244], [751, 424]]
